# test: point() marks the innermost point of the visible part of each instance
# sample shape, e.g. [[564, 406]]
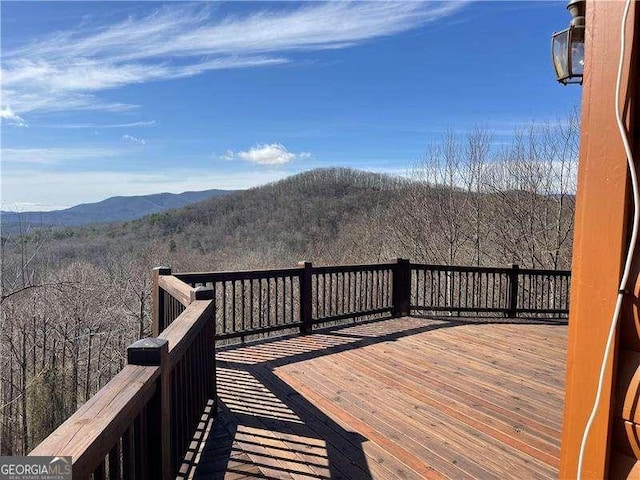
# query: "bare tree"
[[533, 184]]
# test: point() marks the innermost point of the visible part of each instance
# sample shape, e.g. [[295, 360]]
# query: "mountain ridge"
[[112, 209]]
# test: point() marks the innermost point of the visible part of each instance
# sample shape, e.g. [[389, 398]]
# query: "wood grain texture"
[[410, 398], [176, 288]]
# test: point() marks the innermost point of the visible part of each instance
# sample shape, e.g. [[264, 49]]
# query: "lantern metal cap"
[[577, 10]]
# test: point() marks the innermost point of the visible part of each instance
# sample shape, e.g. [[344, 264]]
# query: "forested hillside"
[[276, 223], [74, 298]]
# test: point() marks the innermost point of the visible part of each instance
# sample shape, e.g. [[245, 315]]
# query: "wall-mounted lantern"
[[567, 46]]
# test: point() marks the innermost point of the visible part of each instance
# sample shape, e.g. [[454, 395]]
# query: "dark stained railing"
[[251, 302], [350, 291], [543, 291], [440, 288], [145, 423], [472, 290], [261, 302], [265, 301]]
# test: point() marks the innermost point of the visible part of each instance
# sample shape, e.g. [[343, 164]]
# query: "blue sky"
[[126, 98]]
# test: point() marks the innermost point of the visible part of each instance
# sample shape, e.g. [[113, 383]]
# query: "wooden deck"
[[401, 398]]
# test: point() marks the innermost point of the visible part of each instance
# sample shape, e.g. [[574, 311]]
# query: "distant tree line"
[[73, 299], [473, 203]]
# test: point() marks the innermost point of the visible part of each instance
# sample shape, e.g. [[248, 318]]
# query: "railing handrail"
[[176, 288], [351, 268], [205, 277], [315, 307], [460, 268], [278, 271], [539, 271], [518, 290], [472, 268]]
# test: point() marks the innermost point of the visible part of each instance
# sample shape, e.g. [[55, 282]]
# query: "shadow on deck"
[[400, 398]]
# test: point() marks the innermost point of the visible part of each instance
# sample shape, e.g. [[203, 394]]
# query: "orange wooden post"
[[603, 217]]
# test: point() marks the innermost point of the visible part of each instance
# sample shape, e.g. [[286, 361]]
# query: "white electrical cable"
[[632, 242]]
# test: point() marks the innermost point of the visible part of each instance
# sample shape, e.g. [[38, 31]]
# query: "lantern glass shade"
[[559, 51], [567, 50], [577, 58]]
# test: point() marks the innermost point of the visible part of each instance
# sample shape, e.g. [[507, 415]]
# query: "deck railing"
[[509, 291], [145, 422], [265, 301], [141, 425], [250, 302]]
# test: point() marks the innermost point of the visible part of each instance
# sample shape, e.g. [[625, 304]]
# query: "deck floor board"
[[408, 398]]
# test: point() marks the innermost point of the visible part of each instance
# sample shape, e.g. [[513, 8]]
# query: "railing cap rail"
[[459, 268], [352, 268], [175, 287], [228, 275]]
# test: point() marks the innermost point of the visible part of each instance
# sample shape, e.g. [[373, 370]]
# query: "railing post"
[[155, 352], [157, 306], [401, 288], [513, 290], [305, 298]]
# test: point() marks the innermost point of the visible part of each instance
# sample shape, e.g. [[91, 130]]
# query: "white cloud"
[[8, 116], [66, 70], [147, 123], [266, 154], [228, 155], [271, 154], [131, 138]]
